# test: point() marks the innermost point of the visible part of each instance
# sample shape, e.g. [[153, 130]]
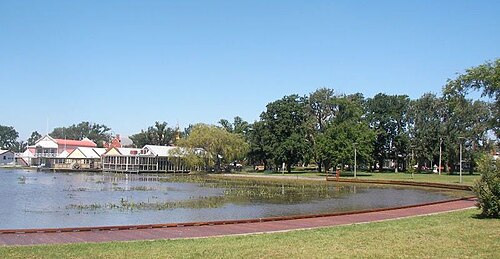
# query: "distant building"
[[6, 157], [81, 158], [47, 149], [115, 142], [148, 159]]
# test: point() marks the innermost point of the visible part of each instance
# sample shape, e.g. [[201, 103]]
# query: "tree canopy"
[[159, 134], [98, 133], [220, 146], [8, 137]]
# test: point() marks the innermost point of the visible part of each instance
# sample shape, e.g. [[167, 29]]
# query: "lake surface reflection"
[[45, 200]]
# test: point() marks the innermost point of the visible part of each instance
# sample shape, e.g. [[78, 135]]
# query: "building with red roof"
[[46, 149]]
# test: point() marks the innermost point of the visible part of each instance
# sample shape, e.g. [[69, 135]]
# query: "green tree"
[[19, 146], [487, 189], [464, 121], [426, 131], [96, 132], [285, 123], [219, 145], [239, 126], [259, 144], [321, 107], [337, 143], [388, 117], [159, 134], [8, 136], [35, 136], [484, 78]]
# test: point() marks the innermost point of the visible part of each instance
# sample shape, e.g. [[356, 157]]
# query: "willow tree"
[[219, 146]]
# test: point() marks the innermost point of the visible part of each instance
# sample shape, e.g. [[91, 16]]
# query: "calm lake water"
[[31, 199]]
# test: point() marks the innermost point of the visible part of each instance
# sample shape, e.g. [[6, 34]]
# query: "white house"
[[47, 149], [148, 159], [6, 157]]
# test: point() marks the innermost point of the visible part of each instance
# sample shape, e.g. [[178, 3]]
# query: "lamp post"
[[461, 139], [440, 145], [355, 162]]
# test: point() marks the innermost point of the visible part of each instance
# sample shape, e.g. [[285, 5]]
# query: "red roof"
[[76, 143]]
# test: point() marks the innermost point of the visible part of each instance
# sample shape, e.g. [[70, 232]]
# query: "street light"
[[440, 145], [461, 139], [355, 162]]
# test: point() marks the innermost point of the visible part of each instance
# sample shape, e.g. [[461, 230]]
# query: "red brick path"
[[229, 229]]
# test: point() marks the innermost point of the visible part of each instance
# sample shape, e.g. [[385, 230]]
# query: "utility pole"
[[440, 144], [461, 139], [355, 162]]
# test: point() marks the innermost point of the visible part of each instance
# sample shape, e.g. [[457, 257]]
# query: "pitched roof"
[[160, 150], [124, 151], [63, 154], [79, 143], [99, 151], [2, 151]]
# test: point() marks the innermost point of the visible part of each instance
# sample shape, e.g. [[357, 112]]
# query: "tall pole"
[[355, 164], [460, 161], [440, 144]]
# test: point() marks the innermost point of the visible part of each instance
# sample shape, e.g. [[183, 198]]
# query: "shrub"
[[487, 188]]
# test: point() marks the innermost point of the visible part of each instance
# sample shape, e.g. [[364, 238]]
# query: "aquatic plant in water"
[[235, 191]]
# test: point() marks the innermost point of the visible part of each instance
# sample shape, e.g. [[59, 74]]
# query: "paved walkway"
[[229, 229]]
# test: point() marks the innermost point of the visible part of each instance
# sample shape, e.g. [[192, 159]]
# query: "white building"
[[6, 157], [148, 159]]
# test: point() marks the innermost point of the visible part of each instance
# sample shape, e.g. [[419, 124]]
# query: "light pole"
[[355, 162], [440, 144], [461, 139]]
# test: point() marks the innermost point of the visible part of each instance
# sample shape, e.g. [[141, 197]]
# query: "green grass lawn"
[[449, 235], [420, 177]]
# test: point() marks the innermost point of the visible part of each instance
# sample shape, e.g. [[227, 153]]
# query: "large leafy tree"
[[259, 144], [388, 116], [19, 146], [464, 121], [35, 136], [321, 107], [286, 130], [8, 136], [339, 140], [219, 145], [98, 133], [484, 78], [158, 134], [426, 131], [446, 122], [239, 126], [345, 131]]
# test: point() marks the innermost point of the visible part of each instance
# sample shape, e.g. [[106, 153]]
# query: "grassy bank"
[[450, 235], [419, 177]]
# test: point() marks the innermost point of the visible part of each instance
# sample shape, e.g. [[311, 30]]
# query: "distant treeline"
[[325, 127]]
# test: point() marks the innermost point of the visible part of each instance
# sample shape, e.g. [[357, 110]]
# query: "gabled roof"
[[49, 142], [78, 143], [124, 151], [160, 150], [99, 151], [2, 151], [86, 152], [46, 142], [63, 154]]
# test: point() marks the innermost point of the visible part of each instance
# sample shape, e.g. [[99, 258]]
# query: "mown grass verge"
[[450, 235]]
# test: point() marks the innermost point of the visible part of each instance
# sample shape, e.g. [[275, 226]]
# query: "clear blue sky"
[[127, 64]]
